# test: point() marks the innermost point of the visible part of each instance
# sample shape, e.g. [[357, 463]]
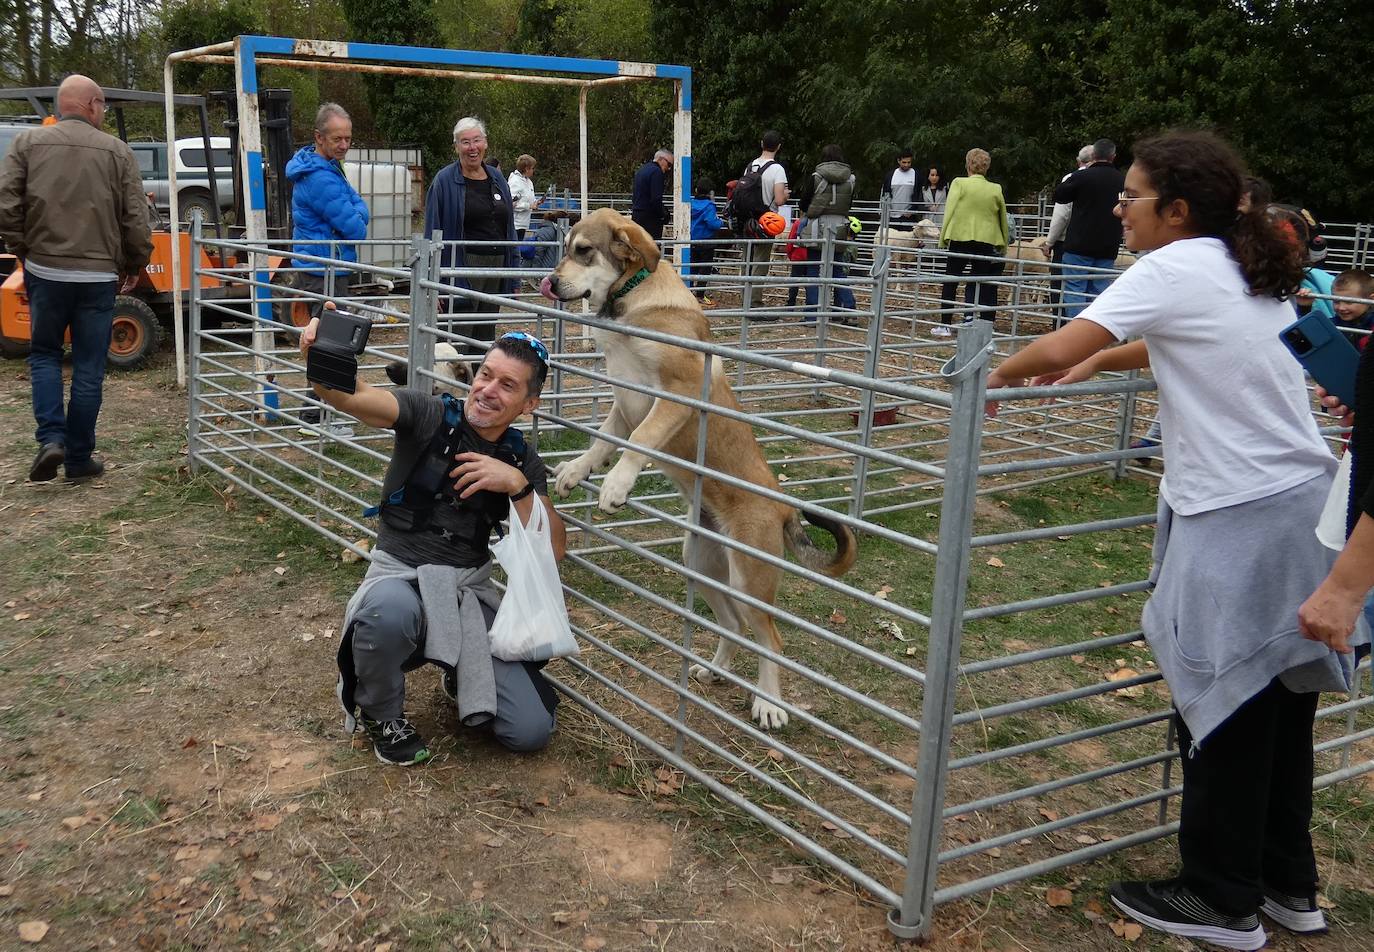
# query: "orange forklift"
[[140, 313]]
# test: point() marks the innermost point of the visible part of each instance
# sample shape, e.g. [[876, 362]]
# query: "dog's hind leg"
[[708, 557], [760, 580]]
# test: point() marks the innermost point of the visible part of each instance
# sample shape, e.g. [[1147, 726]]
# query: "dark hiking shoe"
[[80, 472], [1299, 914], [450, 685], [45, 464], [1170, 906], [395, 741]]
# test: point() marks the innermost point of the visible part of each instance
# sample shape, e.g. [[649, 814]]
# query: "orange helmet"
[[772, 224]]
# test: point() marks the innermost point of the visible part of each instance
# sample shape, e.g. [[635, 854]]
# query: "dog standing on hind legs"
[[614, 265]]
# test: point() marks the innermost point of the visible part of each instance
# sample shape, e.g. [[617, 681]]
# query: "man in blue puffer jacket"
[[324, 207]]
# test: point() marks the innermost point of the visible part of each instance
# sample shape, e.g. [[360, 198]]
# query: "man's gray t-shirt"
[[470, 521]]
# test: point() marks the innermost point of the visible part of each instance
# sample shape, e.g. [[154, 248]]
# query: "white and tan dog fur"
[[604, 252]]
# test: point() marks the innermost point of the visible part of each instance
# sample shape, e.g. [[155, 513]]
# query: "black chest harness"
[[411, 507]]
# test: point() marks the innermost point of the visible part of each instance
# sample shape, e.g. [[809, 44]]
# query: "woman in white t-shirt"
[[1235, 551]]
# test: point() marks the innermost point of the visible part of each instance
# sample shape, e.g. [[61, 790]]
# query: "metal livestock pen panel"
[[958, 720]]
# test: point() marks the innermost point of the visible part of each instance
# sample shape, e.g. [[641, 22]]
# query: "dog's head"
[[449, 366], [603, 250]]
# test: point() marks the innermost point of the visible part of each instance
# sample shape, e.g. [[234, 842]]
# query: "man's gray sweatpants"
[[388, 640]]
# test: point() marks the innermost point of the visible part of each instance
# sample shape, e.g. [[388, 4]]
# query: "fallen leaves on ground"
[[1130, 931], [890, 627], [669, 781], [1125, 674], [33, 931], [997, 563], [1058, 896]]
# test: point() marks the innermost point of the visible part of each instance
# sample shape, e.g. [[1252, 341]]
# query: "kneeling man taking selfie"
[[458, 469]]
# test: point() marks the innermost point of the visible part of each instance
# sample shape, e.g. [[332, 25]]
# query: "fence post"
[[879, 274], [423, 309], [193, 349], [689, 544], [746, 293], [824, 292], [1124, 425], [967, 373]]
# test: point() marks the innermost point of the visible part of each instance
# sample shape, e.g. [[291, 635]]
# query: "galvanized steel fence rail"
[[958, 720]]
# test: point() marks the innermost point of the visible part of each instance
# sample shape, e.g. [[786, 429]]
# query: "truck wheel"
[[135, 335], [189, 202]]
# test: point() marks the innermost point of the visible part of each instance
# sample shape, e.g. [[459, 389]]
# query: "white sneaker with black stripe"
[[1299, 914], [1169, 906]]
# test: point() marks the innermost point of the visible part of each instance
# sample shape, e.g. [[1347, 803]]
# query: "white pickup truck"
[[193, 181]]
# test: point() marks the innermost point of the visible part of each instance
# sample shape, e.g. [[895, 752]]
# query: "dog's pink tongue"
[[545, 289]]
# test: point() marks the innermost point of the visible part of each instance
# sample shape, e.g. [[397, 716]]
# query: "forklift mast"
[[277, 151]]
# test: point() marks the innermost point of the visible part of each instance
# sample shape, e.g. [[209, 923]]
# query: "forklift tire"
[[189, 202], [135, 335]]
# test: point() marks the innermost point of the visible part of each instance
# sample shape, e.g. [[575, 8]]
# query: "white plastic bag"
[[532, 622], [1331, 525]]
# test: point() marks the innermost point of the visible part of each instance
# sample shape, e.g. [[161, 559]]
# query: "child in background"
[[1352, 317], [796, 253], [706, 225], [540, 250]]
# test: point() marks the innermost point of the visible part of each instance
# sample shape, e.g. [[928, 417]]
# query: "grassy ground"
[[172, 775]]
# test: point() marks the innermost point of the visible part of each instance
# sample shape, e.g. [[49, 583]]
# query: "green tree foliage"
[[405, 109], [196, 23], [1031, 81]]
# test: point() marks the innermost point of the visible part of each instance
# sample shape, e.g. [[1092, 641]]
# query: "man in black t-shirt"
[[1094, 233], [430, 543]]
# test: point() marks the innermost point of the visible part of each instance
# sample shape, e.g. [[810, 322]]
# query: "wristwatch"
[[516, 497]]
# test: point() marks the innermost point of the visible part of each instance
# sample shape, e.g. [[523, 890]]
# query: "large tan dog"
[[607, 254]]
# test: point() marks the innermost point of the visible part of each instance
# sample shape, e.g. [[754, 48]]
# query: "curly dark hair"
[[1202, 170]]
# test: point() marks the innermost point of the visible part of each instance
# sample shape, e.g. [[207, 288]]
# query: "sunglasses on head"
[[535, 343]]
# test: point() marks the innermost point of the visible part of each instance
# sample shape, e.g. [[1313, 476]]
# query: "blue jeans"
[[1081, 287], [843, 297], [87, 311]]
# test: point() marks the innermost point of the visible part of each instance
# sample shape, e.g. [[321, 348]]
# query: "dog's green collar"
[[631, 284]]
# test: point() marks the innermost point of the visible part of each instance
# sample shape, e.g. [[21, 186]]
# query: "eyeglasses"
[[469, 143], [1122, 199], [99, 101], [535, 343]]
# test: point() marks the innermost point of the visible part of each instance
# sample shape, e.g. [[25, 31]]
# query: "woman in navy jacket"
[[470, 203]]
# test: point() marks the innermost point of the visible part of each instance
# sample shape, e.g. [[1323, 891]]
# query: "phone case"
[[1326, 354], [344, 329]]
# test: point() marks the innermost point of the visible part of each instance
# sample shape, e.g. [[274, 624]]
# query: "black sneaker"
[[396, 742], [45, 464], [1299, 914], [1170, 906], [450, 685], [80, 472]]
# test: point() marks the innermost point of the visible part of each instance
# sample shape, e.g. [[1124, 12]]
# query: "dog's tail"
[[809, 554]]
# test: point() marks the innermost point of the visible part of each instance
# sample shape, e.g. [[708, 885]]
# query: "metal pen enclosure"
[[953, 730]]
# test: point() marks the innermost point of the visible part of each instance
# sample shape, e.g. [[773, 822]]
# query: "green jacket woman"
[[976, 232], [976, 211]]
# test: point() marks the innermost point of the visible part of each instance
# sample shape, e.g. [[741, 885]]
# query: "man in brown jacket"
[[73, 210]]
